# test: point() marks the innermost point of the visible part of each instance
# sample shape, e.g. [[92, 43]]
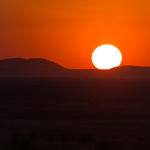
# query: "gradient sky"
[[67, 31]]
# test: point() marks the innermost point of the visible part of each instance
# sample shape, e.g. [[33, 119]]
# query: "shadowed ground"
[[74, 113]]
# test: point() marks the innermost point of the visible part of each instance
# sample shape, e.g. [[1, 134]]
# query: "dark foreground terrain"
[[74, 114]]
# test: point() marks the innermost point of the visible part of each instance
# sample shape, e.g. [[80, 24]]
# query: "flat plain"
[[74, 113]]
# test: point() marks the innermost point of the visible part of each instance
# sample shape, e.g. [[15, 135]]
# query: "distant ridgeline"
[[37, 67]]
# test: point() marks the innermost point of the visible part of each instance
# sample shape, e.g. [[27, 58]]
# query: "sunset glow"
[[66, 32]]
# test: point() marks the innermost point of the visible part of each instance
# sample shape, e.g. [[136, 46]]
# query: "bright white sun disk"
[[106, 57]]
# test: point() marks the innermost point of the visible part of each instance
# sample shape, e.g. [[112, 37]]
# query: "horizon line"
[[44, 59]]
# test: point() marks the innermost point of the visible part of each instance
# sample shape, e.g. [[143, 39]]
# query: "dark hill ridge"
[[38, 67], [117, 72], [132, 71], [34, 61]]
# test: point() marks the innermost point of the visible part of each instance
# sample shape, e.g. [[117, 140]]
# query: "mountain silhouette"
[[38, 67]]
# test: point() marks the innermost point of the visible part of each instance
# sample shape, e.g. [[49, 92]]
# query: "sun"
[[106, 57]]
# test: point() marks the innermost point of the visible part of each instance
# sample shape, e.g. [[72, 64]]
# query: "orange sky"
[[67, 31]]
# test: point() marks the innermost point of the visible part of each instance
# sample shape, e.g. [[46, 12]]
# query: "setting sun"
[[106, 57]]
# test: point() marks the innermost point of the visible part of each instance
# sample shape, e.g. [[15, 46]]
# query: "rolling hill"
[[38, 67]]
